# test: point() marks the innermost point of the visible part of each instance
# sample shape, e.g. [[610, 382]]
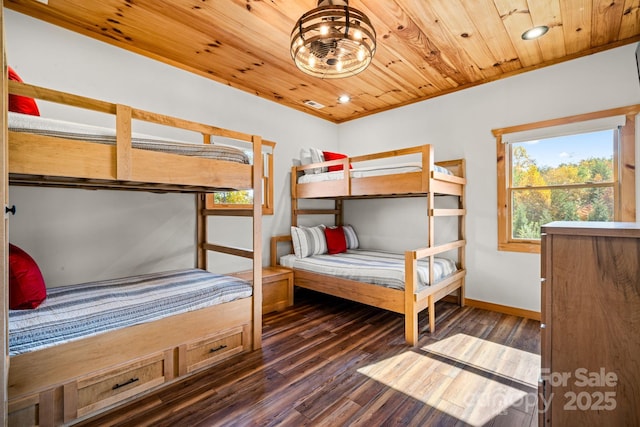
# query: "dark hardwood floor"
[[331, 362]]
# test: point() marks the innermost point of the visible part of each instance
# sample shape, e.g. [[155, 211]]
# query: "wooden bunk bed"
[[428, 180], [77, 379]]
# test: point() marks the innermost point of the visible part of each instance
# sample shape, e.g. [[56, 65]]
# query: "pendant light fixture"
[[333, 40]]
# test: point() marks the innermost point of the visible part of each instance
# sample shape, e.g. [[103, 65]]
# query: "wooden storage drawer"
[[34, 410], [101, 389], [212, 349]]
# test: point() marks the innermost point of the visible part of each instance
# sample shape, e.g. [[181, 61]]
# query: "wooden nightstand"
[[277, 287]]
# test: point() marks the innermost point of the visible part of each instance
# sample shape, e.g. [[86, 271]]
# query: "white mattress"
[[81, 132], [376, 267], [363, 172]]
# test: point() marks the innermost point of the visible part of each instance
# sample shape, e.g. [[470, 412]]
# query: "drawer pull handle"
[[131, 381], [213, 350]]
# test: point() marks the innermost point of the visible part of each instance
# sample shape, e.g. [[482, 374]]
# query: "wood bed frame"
[[52, 161], [426, 183], [79, 379]]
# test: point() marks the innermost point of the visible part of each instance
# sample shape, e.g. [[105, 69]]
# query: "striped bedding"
[[63, 129], [368, 171], [73, 312], [376, 267]]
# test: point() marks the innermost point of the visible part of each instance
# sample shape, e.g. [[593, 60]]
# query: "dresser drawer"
[[101, 389], [212, 349]]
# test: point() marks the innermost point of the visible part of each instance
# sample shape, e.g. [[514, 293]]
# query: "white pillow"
[[317, 156], [308, 241], [305, 159], [305, 156], [312, 155], [351, 237]]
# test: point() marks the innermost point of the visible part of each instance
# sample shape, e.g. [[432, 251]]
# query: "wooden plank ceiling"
[[426, 48]]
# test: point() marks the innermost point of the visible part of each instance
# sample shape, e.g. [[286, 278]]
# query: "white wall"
[[459, 125], [81, 235]]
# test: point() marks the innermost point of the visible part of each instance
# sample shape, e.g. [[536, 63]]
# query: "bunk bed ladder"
[[430, 252]]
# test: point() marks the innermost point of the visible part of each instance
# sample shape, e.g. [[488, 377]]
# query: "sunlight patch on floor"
[[495, 377], [489, 356]]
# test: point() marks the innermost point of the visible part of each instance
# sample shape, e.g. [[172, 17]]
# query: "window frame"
[[624, 181], [267, 188]]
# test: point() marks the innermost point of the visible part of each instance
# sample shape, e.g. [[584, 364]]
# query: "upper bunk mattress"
[[81, 132], [73, 312], [364, 172], [376, 267]]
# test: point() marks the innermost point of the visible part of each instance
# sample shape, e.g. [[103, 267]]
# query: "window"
[[553, 180], [580, 168], [243, 199]]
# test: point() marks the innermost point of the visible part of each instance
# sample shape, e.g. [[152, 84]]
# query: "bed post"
[[431, 307], [427, 161], [4, 249], [462, 233], [410, 305], [123, 142], [431, 200], [294, 198], [201, 220], [427, 154], [201, 231], [257, 242], [339, 216]]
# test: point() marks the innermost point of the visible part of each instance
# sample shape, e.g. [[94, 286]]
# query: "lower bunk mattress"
[[375, 267], [73, 312]]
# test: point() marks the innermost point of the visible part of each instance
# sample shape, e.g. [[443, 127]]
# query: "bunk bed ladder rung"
[[246, 253], [228, 212], [447, 212], [317, 212]]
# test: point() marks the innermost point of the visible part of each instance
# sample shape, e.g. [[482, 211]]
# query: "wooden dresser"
[[590, 324]]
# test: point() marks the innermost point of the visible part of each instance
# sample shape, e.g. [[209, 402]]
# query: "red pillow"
[[336, 242], [21, 104], [328, 155], [26, 284]]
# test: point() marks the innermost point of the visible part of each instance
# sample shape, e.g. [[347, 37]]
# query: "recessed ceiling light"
[[344, 99], [535, 32]]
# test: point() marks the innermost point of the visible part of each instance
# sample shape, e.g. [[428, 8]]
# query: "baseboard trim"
[[505, 309]]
